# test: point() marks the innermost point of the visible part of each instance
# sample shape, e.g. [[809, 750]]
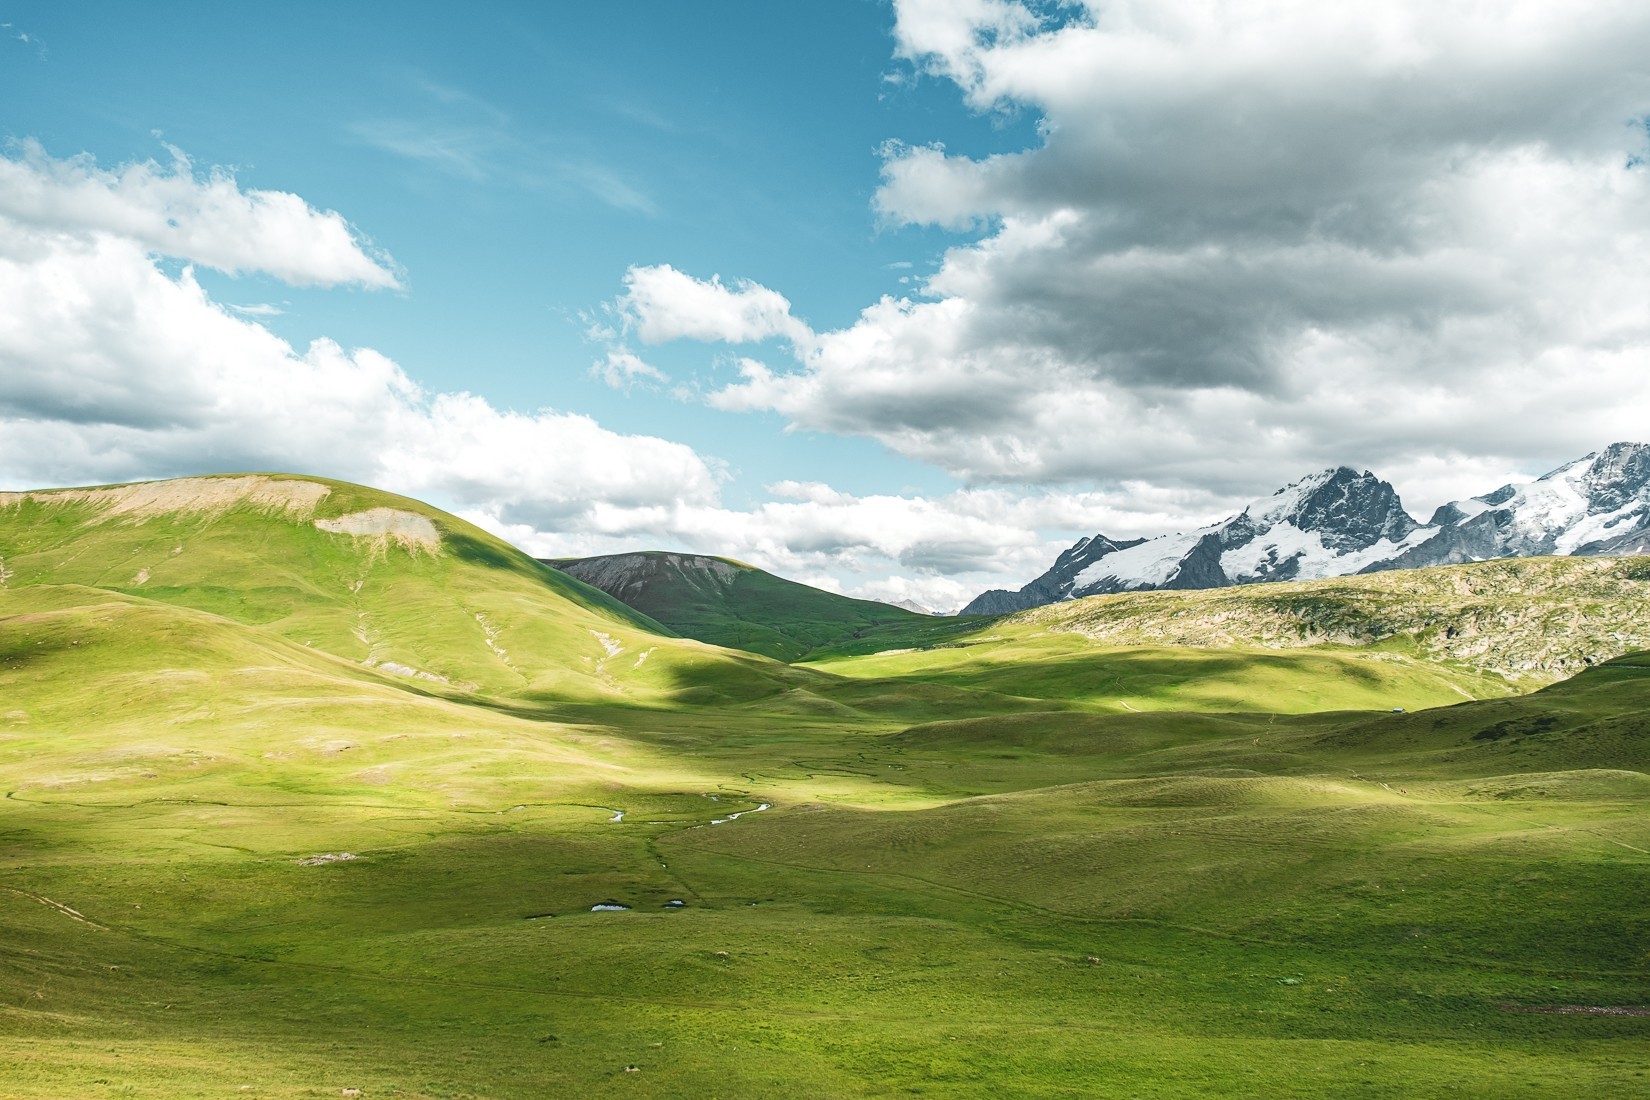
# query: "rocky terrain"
[[1524, 619]]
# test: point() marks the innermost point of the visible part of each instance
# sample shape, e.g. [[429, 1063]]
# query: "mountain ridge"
[[1342, 522], [733, 604]]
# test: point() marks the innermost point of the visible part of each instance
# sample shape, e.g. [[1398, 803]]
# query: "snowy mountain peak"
[[1341, 521], [1598, 504], [1616, 475], [912, 605], [1350, 510], [1052, 586]]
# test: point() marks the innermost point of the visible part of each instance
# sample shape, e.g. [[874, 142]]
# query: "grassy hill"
[[1414, 638], [1529, 620], [244, 851], [377, 579], [729, 603]]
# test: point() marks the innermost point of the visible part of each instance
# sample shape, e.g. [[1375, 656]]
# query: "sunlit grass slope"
[[243, 852], [729, 603], [1413, 639], [115, 700], [1530, 620], [1035, 664], [1228, 905], [377, 579]]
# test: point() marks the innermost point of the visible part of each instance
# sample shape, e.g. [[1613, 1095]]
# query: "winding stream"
[[735, 817]]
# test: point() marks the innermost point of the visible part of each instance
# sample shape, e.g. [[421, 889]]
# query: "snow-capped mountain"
[[911, 605], [1053, 586], [1341, 521], [1599, 504]]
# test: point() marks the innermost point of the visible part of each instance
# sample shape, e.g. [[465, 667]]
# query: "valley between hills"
[[313, 788]]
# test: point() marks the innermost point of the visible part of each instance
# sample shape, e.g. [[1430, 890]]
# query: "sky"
[[896, 297]]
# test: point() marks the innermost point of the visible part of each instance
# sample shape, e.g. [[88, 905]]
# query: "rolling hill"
[[729, 603], [312, 788], [1403, 638], [380, 580]]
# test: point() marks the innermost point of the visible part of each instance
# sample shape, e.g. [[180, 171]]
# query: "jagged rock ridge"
[[1340, 522], [624, 575]]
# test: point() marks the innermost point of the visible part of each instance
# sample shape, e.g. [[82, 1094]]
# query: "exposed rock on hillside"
[[1543, 617], [624, 576]]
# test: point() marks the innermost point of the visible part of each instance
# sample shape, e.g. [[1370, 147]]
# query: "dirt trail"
[[72, 914], [1582, 1010]]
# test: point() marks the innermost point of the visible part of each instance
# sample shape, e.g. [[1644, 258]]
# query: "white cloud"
[[174, 212], [622, 369], [662, 304], [112, 369], [940, 551], [1256, 238]]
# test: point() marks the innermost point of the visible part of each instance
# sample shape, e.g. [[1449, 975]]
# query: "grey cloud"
[[1249, 245], [951, 556]]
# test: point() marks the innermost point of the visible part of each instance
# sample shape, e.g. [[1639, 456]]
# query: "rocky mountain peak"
[[1056, 584], [1616, 475], [1347, 509]]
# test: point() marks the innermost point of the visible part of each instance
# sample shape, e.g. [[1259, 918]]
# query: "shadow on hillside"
[[1222, 680]]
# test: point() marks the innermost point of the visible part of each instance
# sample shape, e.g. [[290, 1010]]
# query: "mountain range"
[[1340, 522]]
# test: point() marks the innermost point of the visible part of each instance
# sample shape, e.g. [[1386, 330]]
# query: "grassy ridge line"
[[420, 593], [1412, 639], [1536, 619], [1035, 664], [732, 604]]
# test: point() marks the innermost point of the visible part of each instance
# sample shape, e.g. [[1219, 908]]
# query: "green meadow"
[[309, 788]]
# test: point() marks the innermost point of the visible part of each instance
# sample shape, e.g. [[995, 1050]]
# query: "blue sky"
[[516, 159], [910, 293]]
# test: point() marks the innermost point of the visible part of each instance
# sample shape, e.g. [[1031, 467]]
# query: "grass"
[[728, 603], [980, 875]]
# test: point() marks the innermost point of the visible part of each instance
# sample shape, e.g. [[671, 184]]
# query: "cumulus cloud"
[[113, 369], [173, 211], [1255, 238], [940, 551], [662, 304]]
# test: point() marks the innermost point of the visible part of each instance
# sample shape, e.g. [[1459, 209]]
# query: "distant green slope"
[[1411, 638], [729, 603], [1531, 620], [116, 700]]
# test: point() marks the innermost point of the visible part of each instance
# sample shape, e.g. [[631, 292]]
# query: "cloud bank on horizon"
[[1255, 239]]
